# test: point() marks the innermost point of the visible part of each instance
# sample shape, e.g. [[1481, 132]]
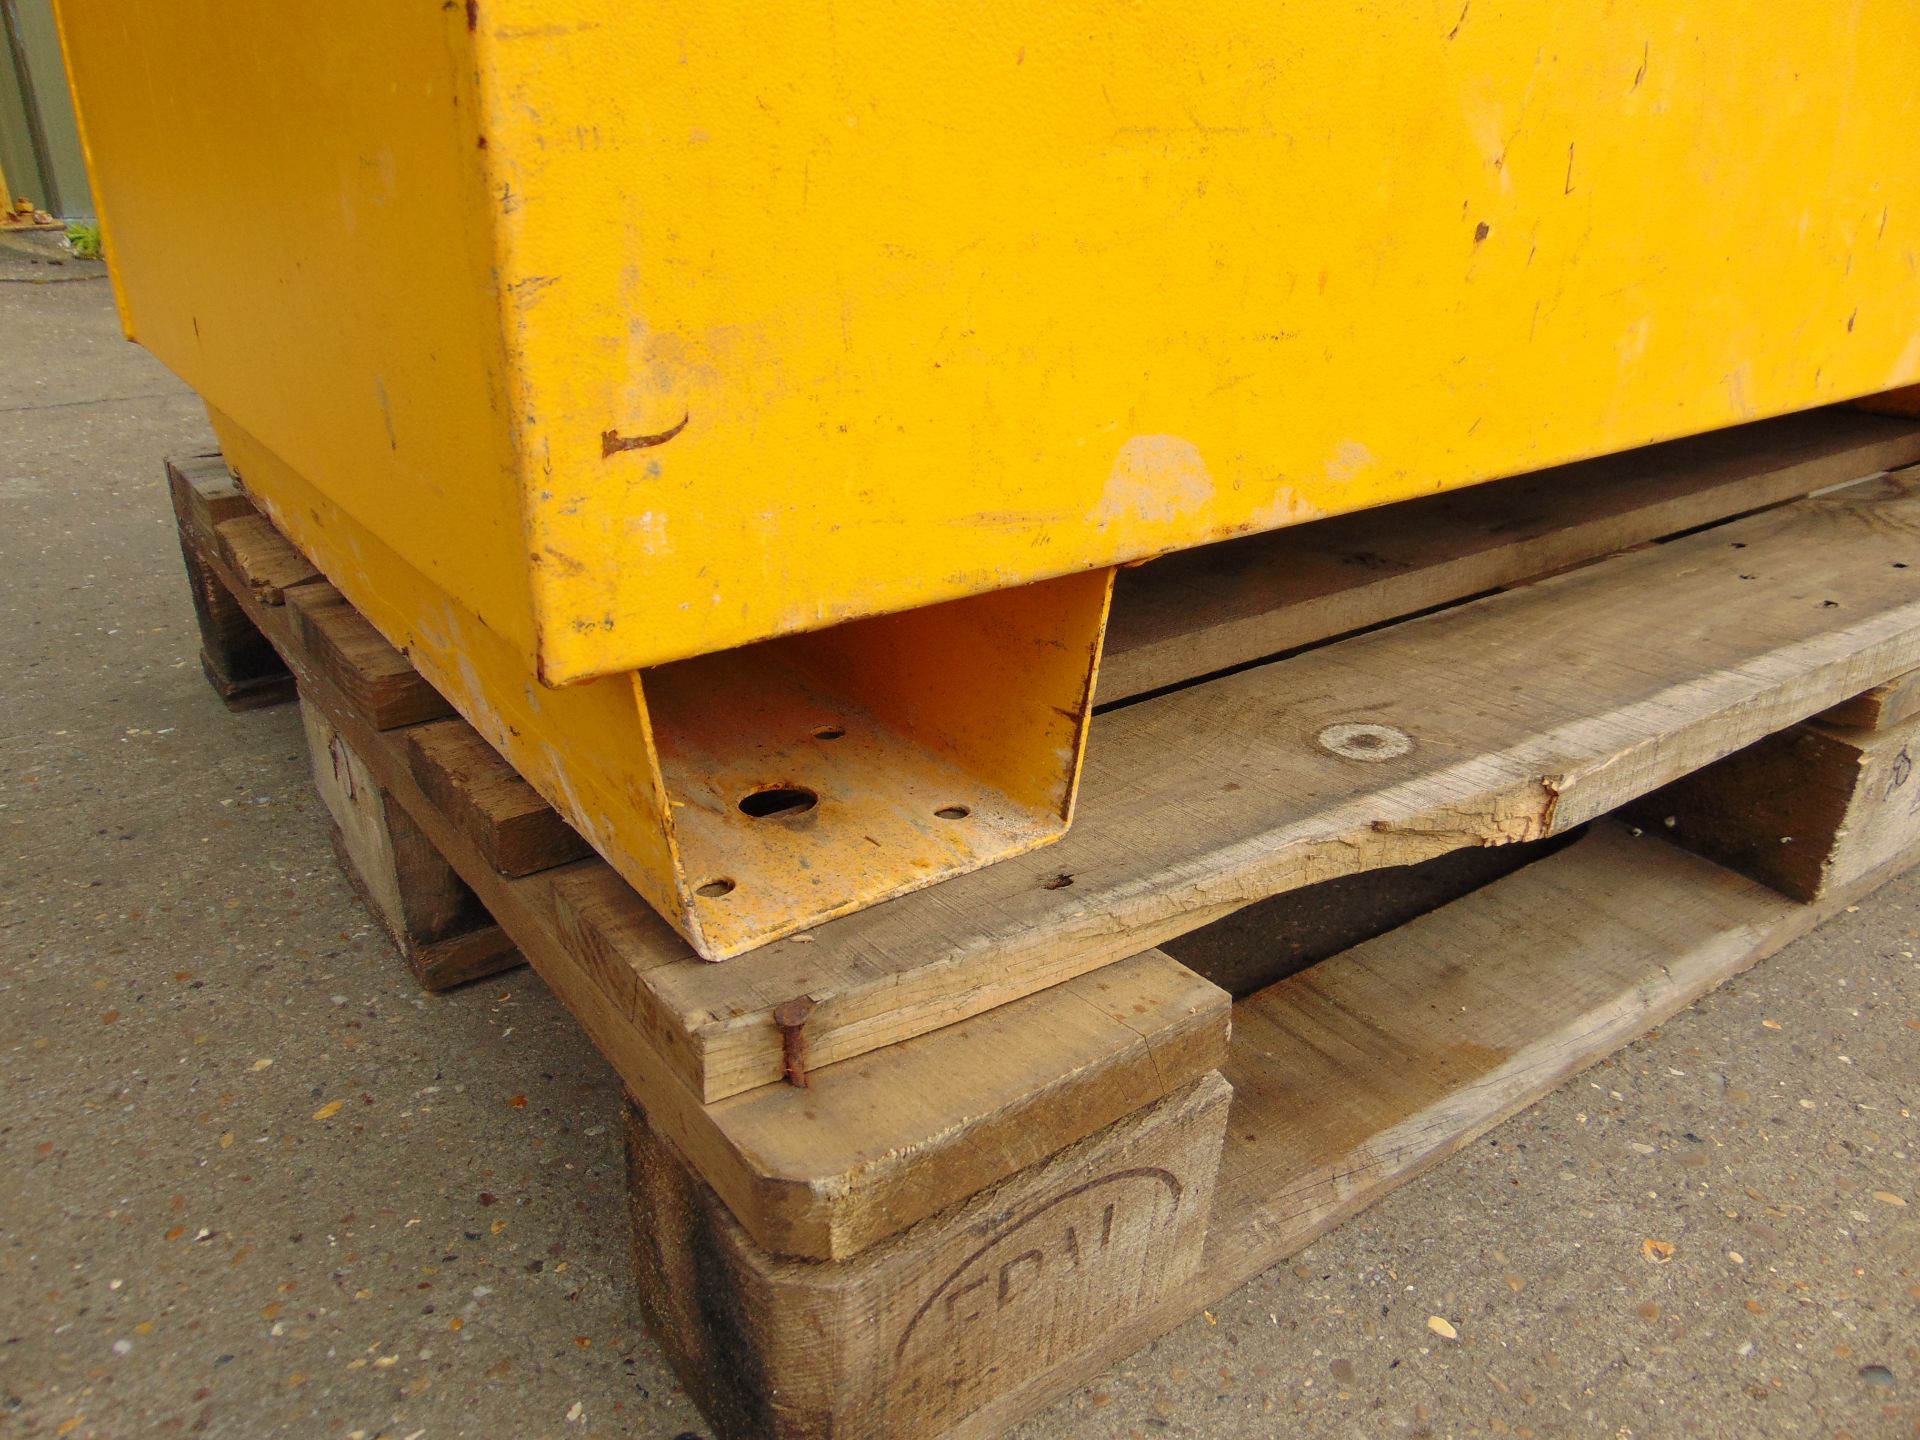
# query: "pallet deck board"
[[1355, 1076], [1528, 712], [466, 777], [251, 545], [358, 659], [1200, 611]]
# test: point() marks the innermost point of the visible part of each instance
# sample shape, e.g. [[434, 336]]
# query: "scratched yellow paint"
[[950, 300], [585, 336]]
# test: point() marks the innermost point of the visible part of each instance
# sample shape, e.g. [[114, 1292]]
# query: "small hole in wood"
[[779, 802], [1829, 604], [714, 889], [1899, 564], [953, 812], [1739, 544], [828, 732], [1058, 882]]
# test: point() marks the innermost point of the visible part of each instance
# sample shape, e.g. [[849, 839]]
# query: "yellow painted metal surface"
[[948, 301], [585, 338]]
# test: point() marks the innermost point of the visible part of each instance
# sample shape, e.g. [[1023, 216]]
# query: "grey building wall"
[[39, 141]]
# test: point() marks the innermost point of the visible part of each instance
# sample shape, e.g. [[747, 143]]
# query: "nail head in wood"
[[791, 1017]]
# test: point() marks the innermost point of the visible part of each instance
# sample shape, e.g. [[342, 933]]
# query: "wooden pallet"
[[1007, 1056]]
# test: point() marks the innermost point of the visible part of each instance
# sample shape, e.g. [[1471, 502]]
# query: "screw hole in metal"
[[953, 812], [828, 732], [779, 802], [714, 889]]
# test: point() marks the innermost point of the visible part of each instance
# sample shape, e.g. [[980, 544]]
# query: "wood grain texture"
[[1171, 1022], [435, 921], [1526, 713], [474, 785], [1881, 707], [359, 661], [1200, 611], [252, 547], [415, 891], [913, 1336], [1805, 811], [1361, 1073]]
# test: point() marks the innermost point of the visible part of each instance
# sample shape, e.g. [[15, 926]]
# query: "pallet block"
[[435, 921], [919, 1333], [1805, 810]]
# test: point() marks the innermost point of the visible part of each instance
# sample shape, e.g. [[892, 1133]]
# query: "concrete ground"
[[253, 1183]]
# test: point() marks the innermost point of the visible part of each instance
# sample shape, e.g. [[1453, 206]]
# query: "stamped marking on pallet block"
[[913, 1336], [1047, 1276], [1030, 1255]]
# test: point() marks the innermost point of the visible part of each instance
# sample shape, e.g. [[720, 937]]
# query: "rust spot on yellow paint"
[[612, 442]]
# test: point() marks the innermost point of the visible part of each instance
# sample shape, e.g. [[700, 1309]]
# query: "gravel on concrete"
[[254, 1183]]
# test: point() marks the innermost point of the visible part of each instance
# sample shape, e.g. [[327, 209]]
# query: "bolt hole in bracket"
[[824, 772], [779, 802]]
